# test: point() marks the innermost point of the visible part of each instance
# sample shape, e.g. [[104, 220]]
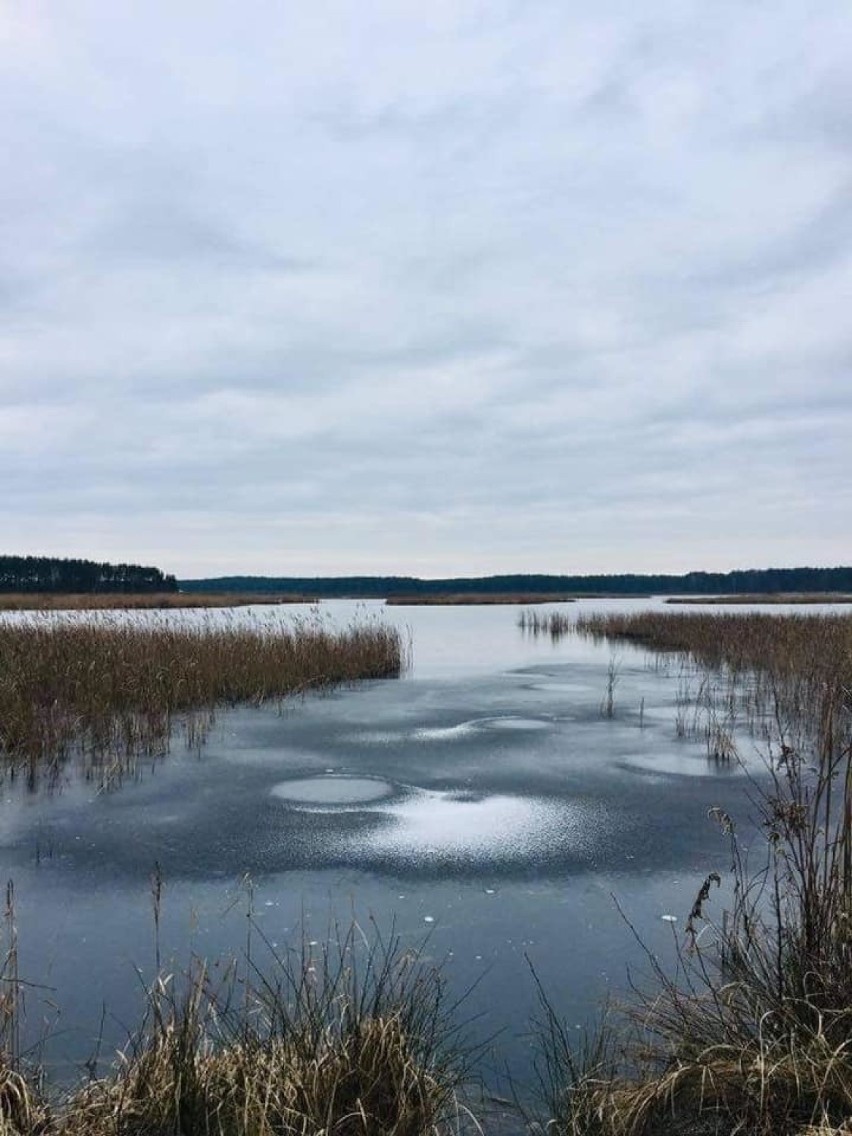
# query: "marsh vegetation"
[[108, 690], [356, 1038], [457, 599], [753, 1033], [138, 601], [773, 598]]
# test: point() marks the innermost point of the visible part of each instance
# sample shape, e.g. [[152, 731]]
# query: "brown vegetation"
[[353, 1041], [141, 601], [791, 674], [552, 623], [766, 598], [108, 689], [473, 598], [754, 1033]]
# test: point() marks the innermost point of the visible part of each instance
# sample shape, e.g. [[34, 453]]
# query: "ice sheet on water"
[[512, 722], [432, 826], [457, 732], [332, 790], [565, 687], [689, 762], [444, 733]]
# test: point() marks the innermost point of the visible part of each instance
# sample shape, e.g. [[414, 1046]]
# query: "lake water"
[[482, 806]]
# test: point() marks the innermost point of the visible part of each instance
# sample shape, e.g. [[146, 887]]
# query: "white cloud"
[[466, 288]]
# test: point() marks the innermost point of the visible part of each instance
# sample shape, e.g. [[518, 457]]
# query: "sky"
[[458, 288]]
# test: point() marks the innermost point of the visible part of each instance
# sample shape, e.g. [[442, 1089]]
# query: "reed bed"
[[465, 599], [753, 598], [790, 675], [140, 601], [753, 1033], [109, 689], [785, 643], [788, 678], [552, 623]]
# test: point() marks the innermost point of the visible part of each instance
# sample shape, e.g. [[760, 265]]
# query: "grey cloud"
[[164, 231], [505, 287], [817, 242]]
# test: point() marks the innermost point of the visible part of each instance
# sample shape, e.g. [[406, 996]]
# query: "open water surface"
[[482, 806]]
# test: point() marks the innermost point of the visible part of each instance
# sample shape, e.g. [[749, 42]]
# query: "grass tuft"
[[355, 1041]]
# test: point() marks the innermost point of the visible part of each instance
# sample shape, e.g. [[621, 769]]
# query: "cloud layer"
[[382, 288]]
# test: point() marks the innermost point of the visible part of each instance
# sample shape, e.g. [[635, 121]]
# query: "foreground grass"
[[109, 689], [355, 1041]]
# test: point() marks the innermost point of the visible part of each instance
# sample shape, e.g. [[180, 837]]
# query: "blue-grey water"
[[483, 806]]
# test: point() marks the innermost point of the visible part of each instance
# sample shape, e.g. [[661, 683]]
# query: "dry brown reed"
[[139, 601], [790, 674], [753, 1034], [753, 598], [474, 598], [22, 1109], [354, 1041], [552, 623], [107, 689]]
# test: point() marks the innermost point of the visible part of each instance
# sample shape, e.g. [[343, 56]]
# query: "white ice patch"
[[330, 791], [450, 733], [434, 826], [444, 733], [687, 764], [514, 723]]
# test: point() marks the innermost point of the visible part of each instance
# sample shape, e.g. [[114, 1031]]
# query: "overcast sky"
[[444, 288]]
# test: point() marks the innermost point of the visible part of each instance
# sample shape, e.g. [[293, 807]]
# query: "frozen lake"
[[482, 803]]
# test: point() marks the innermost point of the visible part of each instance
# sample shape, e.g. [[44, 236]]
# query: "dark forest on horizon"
[[48, 574], [53, 574], [752, 580]]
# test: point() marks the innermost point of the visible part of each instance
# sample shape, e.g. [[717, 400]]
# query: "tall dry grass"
[[472, 599], [552, 623], [791, 675], [753, 1033], [354, 1040], [109, 689], [139, 601]]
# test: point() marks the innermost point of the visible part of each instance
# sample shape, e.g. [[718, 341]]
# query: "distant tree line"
[[51, 574], [746, 581]]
